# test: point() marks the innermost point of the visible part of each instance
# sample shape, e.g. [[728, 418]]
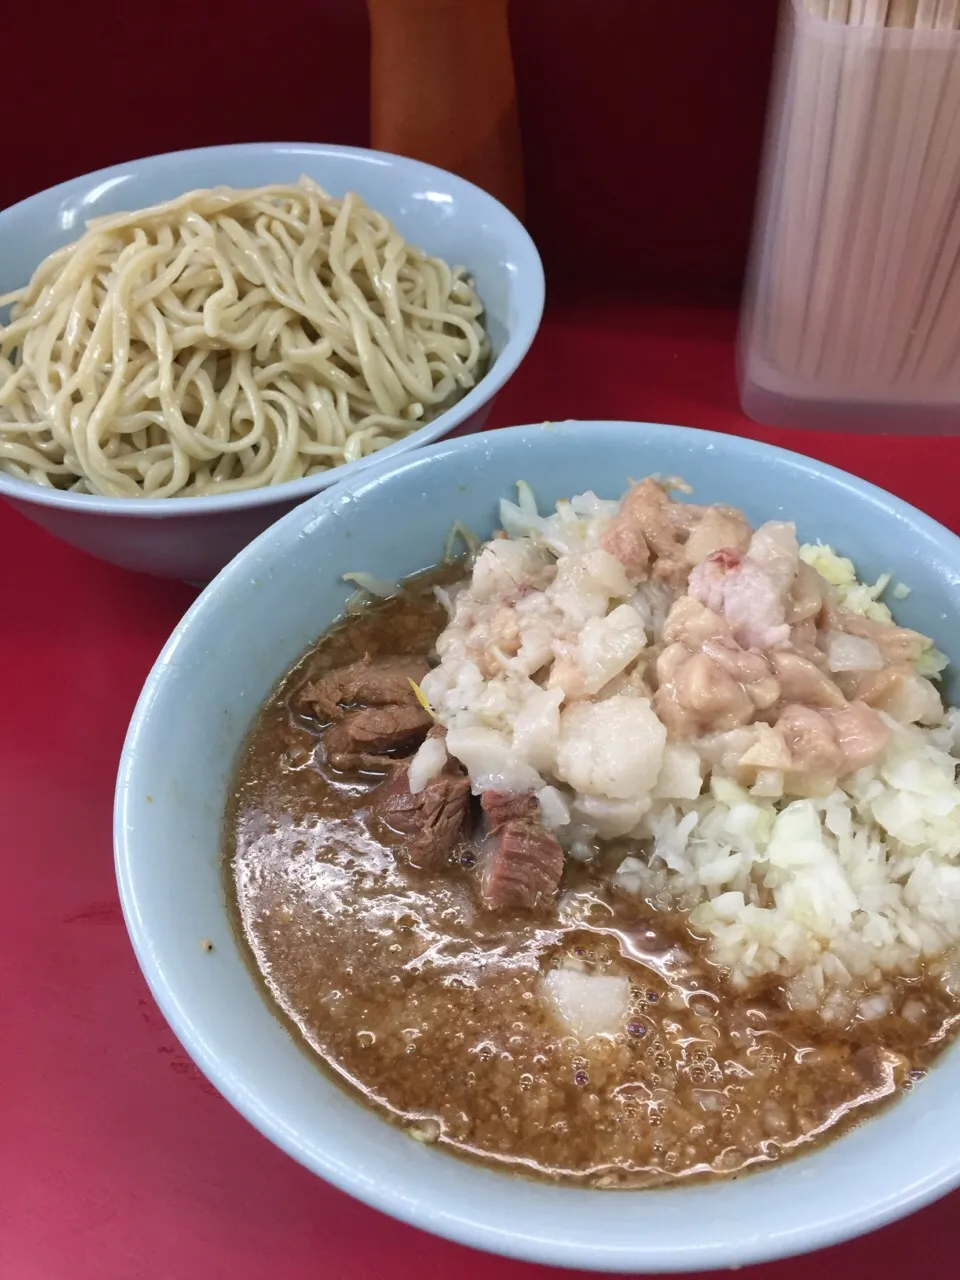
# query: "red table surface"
[[117, 1159]]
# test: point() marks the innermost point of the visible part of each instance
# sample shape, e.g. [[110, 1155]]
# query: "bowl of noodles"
[[593, 898], [191, 344]]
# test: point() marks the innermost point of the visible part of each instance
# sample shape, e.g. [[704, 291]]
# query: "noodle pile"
[[226, 340]]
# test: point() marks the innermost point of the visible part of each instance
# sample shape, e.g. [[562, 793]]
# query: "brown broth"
[[426, 1004]]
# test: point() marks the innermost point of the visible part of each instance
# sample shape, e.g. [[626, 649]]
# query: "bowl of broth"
[[191, 344], [561, 849]]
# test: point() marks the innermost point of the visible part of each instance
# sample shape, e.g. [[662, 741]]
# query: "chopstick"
[[845, 174], [887, 326], [877, 105], [811, 95]]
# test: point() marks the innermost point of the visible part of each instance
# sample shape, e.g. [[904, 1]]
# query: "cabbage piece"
[[521, 519], [379, 587]]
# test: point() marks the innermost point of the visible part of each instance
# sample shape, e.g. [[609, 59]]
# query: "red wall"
[[641, 118]]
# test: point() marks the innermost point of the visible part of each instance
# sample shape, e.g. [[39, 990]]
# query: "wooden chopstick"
[[915, 76], [849, 143]]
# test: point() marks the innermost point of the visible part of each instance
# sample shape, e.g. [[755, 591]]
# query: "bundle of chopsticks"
[[858, 289], [930, 15]]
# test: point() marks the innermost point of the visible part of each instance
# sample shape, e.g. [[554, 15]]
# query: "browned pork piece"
[[434, 819], [370, 682], [522, 862], [653, 536], [860, 734], [706, 681], [694, 695], [719, 528], [899, 691], [829, 743], [501, 807], [373, 736], [750, 599], [896, 644], [802, 681], [816, 759], [806, 597], [372, 709]]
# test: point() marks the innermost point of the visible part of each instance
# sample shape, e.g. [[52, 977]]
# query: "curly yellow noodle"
[[226, 340]]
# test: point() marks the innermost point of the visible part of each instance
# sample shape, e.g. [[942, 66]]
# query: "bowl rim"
[[471, 1228], [529, 315]]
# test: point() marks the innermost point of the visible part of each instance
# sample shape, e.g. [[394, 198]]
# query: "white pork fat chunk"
[[590, 1004], [612, 748], [681, 774], [490, 760], [505, 566], [608, 645]]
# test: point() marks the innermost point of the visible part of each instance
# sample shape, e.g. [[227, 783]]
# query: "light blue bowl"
[[193, 538], [220, 664]]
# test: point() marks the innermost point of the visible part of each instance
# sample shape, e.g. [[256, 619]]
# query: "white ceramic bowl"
[[245, 631], [193, 538]]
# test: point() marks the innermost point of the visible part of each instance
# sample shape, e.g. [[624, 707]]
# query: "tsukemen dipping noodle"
[[626, 852], [227, 340]]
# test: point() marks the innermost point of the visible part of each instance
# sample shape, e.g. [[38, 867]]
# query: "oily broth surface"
[[428, 1005]]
